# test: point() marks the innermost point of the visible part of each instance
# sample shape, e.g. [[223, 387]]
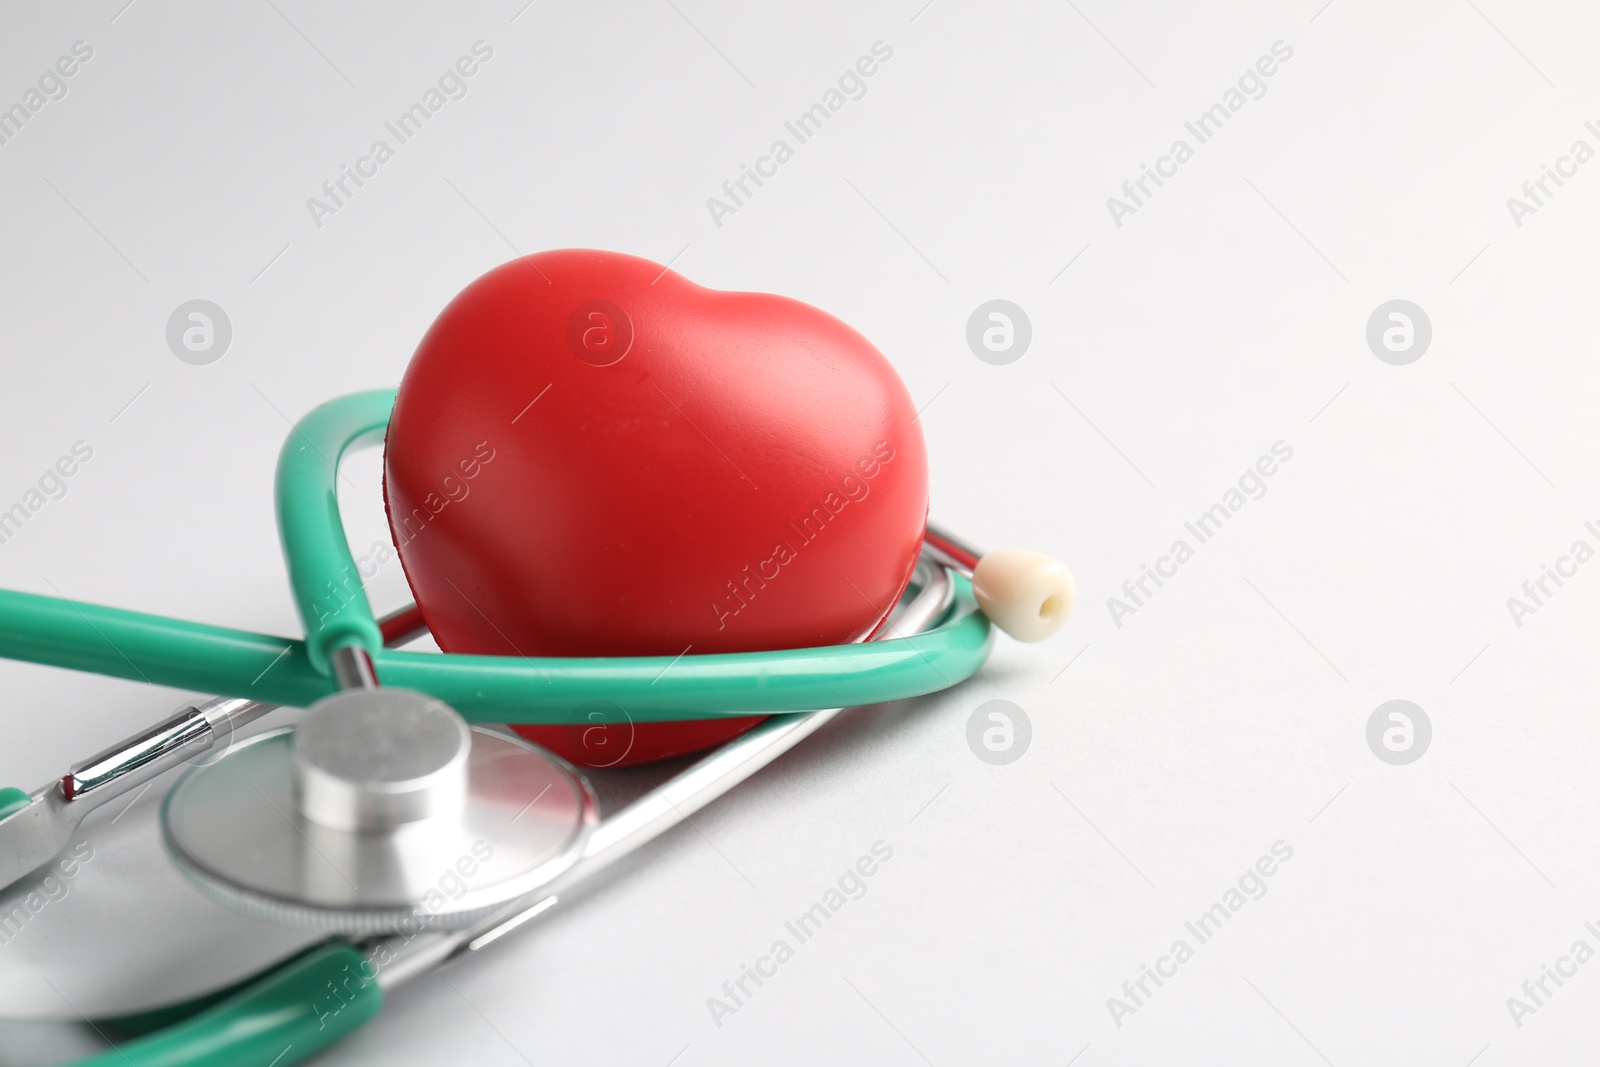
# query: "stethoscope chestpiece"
[[382, 811]]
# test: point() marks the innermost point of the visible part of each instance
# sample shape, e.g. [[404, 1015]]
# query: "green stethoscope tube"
[[323, 576], [276, 670], [11, 800], [283, 1017]]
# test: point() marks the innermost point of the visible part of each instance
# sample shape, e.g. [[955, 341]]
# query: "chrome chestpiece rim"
[[382, 811]]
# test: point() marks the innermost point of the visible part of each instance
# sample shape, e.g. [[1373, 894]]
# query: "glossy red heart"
[[593, 456]]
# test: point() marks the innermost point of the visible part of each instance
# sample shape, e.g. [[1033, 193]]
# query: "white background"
[[1229, 313]]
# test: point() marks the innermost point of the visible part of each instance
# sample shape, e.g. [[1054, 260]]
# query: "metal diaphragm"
[[382, 811]]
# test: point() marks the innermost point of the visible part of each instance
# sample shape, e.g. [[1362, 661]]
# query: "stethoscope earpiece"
[[1027, 594]]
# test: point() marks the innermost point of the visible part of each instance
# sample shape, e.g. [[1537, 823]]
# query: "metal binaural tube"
[[352, 668], [950, 550]]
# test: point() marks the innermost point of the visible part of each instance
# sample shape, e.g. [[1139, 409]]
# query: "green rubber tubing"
[[511, 689], [12, 800], [290, 1014], [326, 584]]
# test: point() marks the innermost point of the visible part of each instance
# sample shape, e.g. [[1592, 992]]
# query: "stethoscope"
[[450, 832]]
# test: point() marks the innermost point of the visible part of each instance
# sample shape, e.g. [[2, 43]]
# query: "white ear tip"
[[1026, 594]]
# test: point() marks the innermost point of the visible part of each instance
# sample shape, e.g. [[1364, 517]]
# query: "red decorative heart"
[[593, 456]]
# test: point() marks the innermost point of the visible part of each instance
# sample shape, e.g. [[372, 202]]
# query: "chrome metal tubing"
[[939, 555], [352, 668]]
